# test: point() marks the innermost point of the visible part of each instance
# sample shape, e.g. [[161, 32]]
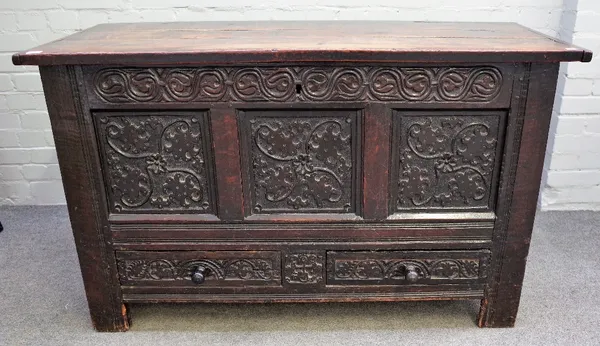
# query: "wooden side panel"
[[74, 142], [513, 231]]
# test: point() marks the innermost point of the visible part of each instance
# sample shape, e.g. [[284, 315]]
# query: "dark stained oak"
[[499, 307], [86, 211], [228, 43], [253, 162]]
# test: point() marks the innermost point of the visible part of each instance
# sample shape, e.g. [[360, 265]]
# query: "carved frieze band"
[[288, 84], [244, 269], [397, 269]]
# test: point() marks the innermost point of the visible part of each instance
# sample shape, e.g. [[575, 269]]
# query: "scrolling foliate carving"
[[304, 268], [247, 269], [155, 163], [446, 161], [379, 269], [334, 84], [476, 84], [302, 163], [119, 85], [288, 84]]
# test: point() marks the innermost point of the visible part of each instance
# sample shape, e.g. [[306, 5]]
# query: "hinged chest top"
[[304, 41], [301, 161]]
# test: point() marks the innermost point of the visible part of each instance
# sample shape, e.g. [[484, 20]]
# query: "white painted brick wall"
[[28, 170], [573, 176]]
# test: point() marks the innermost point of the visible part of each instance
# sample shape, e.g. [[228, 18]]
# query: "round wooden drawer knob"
[[199, 275], [411, 274]]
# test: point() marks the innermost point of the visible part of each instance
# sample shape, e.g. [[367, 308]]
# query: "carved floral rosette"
[[304, 268], [289, 84]]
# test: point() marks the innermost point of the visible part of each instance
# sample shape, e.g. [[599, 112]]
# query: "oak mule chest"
[[301, 161]]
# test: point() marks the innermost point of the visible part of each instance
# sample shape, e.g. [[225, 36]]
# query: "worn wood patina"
[[301, 161]]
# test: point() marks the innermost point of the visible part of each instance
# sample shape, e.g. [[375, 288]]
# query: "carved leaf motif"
[[183, 188], [148, 270], [446, 161], [282, 142], [154, 162], [302, 163], [206, 84], [446, 269], [475, 146], [131, 184], [359, 270]]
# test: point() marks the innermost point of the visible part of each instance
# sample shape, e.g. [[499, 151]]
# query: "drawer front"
[[199, 268], [407, 267]]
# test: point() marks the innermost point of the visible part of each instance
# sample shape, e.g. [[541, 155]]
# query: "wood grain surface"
[[280, 41]]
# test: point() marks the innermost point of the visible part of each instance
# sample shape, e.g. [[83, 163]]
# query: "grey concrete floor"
[[42, 301]]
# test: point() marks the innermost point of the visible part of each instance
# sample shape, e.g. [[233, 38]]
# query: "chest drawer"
[[199, 268], [407, 267]]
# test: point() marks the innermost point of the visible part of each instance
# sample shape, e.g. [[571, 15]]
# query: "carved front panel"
[[445, 160], [301, 161], [481, 84], [396, 267], [156, 162], [223, 268]]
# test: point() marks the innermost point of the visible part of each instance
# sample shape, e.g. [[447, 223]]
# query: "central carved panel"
[[445, 160], [156, 162], [301, 161]]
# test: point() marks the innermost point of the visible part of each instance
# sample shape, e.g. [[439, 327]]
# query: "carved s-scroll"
[[298, 84]]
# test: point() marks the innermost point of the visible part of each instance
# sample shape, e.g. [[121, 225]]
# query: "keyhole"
[[298, 88]]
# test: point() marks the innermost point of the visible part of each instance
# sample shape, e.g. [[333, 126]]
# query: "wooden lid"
[[223, 43]]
